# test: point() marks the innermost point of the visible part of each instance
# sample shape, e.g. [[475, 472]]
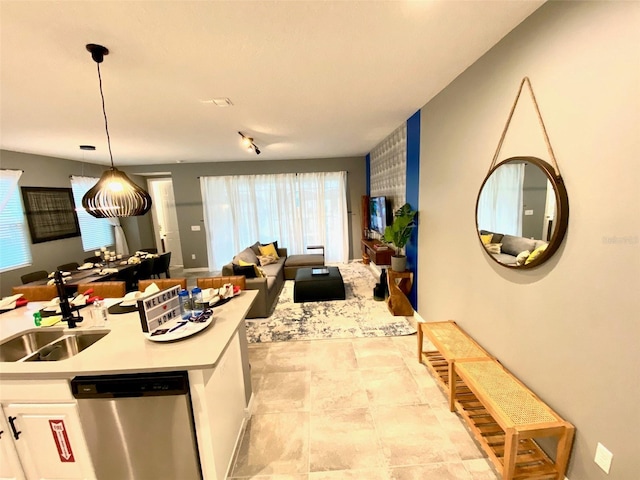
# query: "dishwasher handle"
[[16, 432]]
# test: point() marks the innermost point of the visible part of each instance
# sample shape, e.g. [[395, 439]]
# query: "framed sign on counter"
[[51, 213]]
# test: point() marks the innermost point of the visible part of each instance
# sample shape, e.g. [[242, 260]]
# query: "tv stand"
[[376, 251]]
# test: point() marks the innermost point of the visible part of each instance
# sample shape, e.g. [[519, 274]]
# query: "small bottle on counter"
[[185, 304], [37, 319], [99, 313], [196, 298]]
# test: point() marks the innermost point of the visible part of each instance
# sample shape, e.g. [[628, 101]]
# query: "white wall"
[[569, 329]]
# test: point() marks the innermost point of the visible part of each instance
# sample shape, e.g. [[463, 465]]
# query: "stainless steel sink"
[[47, 345], [27, 343], [66, 347]]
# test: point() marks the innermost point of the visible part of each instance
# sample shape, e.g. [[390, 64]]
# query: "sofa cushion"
[[493, 248], [268, 250], [256, 248], [272, 270], [514, 245], [267, 260], [247, 255], [536, 253], [247, 270], [522, 257], [275, 244], [258, 270], [486, 238]]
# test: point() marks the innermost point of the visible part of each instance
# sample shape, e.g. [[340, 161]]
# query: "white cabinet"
[[10, 468], [49, 443]]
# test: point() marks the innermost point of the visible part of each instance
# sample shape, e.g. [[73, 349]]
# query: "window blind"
[[96, 232], [14, 240]]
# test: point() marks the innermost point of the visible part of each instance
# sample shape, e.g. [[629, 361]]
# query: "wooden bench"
[[503, 414]]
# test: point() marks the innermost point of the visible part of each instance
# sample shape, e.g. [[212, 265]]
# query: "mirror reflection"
[[518, 217]]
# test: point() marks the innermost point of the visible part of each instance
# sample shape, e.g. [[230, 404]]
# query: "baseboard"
[[199, 269]]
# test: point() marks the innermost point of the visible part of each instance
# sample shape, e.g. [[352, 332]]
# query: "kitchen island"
[[215, 359]]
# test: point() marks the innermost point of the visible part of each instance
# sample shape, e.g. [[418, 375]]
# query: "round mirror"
[[522, 212]]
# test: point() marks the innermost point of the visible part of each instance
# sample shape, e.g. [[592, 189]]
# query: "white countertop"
[[125, 349]]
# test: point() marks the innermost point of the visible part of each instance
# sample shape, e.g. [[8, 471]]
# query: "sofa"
[[510, 249], [269, 286]]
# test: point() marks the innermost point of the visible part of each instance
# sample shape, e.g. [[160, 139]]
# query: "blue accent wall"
[[368, 171], [413, 197]]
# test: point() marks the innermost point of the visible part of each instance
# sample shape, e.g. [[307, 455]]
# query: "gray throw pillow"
[[247, 255], [515, 245]]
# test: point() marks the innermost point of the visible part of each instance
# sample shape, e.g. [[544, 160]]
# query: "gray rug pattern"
[[356, 316]]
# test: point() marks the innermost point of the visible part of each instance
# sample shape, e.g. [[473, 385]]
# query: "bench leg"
[[453, 380], [564, 449], [510, 453], [420, 339]]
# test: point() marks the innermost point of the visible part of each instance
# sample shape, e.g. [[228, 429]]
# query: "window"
[[14, 241], [297, 210], [96, 232]]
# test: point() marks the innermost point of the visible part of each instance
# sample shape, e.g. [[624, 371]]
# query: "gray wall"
[[186, 187], [42, 171], [568, 329]]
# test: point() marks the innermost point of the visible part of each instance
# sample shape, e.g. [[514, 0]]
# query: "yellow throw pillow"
[[486, 239], [259, 271], [268, 250], [536, 253]]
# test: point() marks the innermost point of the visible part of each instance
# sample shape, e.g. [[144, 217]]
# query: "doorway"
[[165, 219]]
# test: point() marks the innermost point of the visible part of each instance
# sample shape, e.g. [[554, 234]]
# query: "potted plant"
[[398, 234]]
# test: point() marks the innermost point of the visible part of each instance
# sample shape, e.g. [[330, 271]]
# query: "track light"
[[247, 142]]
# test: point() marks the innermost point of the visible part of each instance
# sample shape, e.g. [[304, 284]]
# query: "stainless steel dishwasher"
[[138, 426]]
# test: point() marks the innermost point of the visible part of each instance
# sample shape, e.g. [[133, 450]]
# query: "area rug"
[[359, 315]]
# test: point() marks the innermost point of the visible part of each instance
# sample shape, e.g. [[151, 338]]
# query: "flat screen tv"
[[379, 214]]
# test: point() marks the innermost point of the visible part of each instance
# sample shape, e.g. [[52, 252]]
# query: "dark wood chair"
[[163, 283], [161, 265], [33, 276], [149, 250], [68, 267], [38, 293]]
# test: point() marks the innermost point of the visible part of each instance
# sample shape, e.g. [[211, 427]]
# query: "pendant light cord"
[[104, 113]]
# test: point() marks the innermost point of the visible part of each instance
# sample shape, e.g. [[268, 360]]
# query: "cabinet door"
[[50, 444], [10, 468]]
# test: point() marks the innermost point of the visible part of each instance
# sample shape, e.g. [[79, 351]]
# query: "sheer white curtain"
[[501, 201], [297, 210], [96, 232]]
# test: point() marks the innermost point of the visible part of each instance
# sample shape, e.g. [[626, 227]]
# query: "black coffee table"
[[310, 287]]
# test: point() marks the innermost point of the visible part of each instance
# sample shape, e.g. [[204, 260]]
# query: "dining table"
[[90, 275]]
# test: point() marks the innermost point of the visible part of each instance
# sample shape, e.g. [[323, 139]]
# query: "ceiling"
[[307, 79]]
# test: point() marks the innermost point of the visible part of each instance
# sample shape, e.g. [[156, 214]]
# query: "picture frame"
[[51, 213]]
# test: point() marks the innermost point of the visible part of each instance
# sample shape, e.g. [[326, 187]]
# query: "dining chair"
[[36, 293], [161, 265], [145, 269], [115, 289], [163, 283], [67, 267], [129, 276], [217, 282], [33, 276], [149, 250], [94, 259]]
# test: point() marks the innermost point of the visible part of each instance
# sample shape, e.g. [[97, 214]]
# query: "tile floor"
[[352, 409]]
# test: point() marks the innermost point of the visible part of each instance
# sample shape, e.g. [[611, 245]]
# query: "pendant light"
[[115, 195]]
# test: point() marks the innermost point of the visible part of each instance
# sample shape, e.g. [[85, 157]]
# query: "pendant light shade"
[[115, 195]]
